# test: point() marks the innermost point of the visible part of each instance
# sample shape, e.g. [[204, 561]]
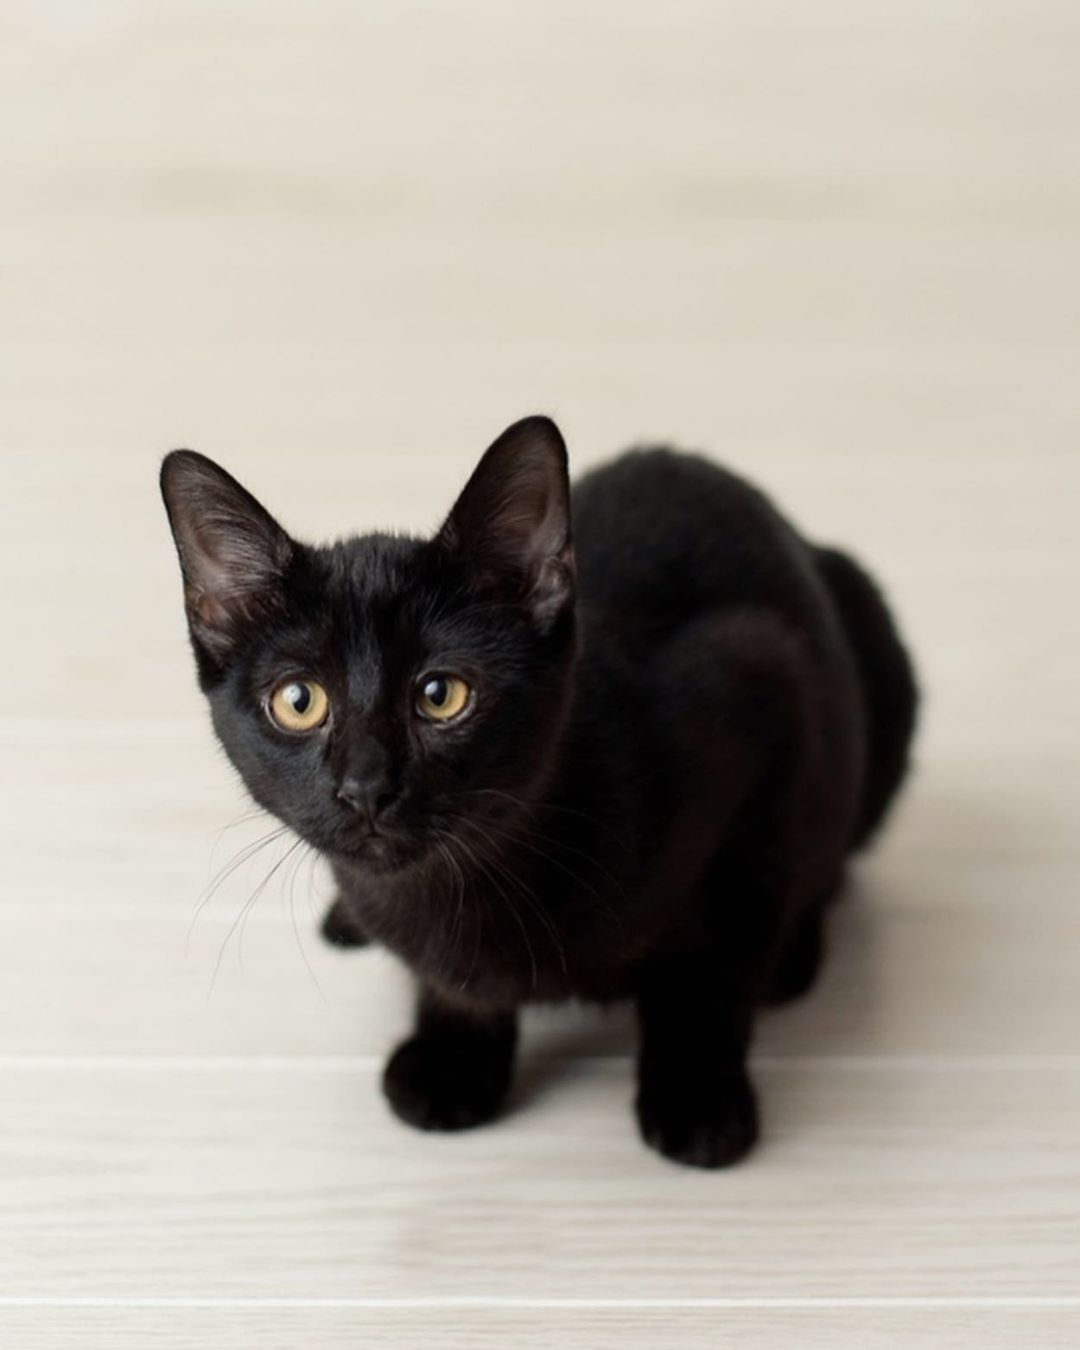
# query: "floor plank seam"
[[31, 1063], [988, 1302]]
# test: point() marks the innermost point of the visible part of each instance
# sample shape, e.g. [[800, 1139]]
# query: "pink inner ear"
[[221, 610], [205, 607]]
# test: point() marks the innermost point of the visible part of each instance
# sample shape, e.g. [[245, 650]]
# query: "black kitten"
[[633, 768]]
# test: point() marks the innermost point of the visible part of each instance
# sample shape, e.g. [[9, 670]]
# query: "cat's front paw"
[[341, 927], [710, 1125], [446, 1082]]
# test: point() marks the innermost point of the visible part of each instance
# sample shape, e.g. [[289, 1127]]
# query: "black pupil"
[[298, 697], [436, 692]]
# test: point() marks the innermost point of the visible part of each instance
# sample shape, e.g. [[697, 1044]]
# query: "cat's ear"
[[233, 554], [512, 521]]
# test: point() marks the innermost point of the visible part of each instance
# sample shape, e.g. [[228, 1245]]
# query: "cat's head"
[[374, 693]]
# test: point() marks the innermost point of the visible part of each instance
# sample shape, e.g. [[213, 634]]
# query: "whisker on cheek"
[[245, 910], [248, 852], [307, 854]]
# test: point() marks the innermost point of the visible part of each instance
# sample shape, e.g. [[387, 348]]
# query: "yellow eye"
[[299, 705], [440, 697]]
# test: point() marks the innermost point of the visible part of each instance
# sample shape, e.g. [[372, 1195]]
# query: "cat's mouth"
[[381, 850]]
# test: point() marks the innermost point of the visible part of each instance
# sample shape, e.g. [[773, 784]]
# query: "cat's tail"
[[887, 679]]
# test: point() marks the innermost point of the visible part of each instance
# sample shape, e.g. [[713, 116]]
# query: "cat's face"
[[375, 694]]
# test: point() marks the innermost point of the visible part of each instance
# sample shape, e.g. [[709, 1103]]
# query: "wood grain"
[[470, 1328], [903, 1181]]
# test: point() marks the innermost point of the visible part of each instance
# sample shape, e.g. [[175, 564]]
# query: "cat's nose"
[[368, 798]]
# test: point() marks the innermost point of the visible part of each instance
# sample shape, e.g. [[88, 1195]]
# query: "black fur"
[[680, 728]]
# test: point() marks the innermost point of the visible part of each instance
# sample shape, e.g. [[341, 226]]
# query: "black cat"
[[628, 767]]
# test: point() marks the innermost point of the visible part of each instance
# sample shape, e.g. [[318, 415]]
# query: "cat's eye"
[[441, 697], [299, 705]]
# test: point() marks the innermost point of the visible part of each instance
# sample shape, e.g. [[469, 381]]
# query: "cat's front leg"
[[454, 1071], [695, 1102], [341, 925]]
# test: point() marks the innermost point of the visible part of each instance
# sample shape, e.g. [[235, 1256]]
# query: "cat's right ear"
[[233, 554]]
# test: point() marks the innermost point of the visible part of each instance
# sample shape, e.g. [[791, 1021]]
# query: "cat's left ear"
[[233, 553], [512, 520]]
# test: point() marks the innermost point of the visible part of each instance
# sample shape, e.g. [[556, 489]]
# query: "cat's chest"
[[495, 945]]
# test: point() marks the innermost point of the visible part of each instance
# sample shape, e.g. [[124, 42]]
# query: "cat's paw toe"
[[440, 1083], [341, 928], [700, 1129]]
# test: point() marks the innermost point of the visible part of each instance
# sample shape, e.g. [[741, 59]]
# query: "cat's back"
[[660, 535]]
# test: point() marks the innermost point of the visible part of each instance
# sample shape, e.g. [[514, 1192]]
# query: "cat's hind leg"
[[886, 678], [800, 960]]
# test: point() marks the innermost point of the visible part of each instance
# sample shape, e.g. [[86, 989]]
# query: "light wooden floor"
[[338, 246]]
